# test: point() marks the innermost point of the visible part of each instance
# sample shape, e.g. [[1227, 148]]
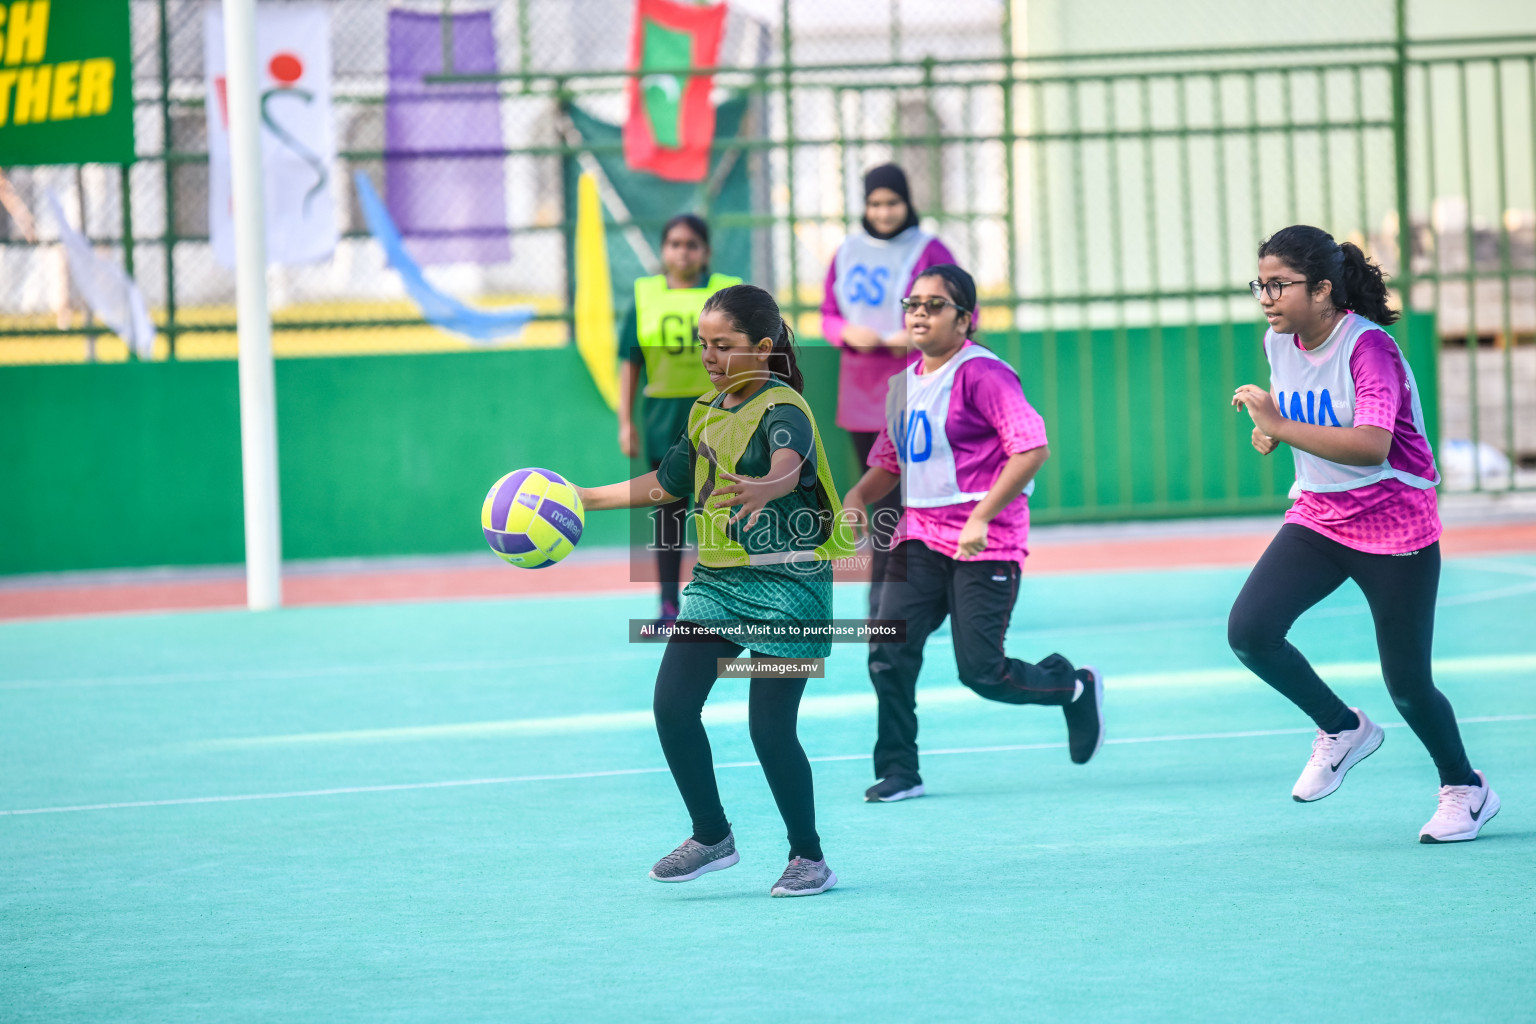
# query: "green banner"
[[66, 82]]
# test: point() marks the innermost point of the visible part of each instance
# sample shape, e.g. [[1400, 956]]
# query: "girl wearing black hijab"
[[872, 272]]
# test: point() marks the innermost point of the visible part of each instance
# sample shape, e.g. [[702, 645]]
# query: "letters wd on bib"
[[917, 411], [298, 148]]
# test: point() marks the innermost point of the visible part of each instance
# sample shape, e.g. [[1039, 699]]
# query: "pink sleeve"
[[1377, 368], [882, 455], [832, 322], [993, 390], [934, 253]]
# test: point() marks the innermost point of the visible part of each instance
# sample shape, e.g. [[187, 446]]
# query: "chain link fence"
[[1096, 167]]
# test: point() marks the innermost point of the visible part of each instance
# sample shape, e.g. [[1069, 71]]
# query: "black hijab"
[[894, 178]]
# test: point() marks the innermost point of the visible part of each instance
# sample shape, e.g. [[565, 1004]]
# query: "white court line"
[[1488, 565], [734, 712], [456, 783], [1487, 595], [278, 674], [646, 653]]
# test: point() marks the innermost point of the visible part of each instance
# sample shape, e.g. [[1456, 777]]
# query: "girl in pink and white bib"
[[1344, 399], [964, 444]]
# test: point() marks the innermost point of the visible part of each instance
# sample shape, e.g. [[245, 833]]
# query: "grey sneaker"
[[804, 878], [693, 859]]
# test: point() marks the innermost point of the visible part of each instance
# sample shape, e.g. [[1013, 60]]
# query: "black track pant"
[[669, 537], [979, 597], [885, 513], [1299, 569], [773, 705]]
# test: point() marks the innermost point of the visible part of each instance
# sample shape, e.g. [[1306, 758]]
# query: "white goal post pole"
[[258, 412]]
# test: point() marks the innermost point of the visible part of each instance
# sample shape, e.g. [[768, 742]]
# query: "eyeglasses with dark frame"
[[1274, 289], [934, 306]]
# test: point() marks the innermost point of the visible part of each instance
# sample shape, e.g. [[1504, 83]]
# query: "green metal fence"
[[1109, 203], [1471, 141]]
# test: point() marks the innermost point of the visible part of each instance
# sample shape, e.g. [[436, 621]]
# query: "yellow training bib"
[[667, 322], [719, 438]]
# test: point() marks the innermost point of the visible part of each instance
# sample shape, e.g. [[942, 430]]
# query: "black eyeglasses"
[[1273, 289], [933, 306]]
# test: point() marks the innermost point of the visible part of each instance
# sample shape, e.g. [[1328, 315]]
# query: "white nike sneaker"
[[1462, 813], [1332, 756]]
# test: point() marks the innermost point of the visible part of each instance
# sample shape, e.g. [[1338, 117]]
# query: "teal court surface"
[[446, 812]]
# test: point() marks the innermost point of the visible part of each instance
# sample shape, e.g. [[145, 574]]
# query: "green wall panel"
[[139, 464], [117, 465], [393, 455]]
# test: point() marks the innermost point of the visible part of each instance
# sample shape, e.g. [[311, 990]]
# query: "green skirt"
[[787, 594]]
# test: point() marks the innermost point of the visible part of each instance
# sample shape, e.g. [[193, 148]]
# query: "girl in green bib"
[[660, 341], [769, 525]]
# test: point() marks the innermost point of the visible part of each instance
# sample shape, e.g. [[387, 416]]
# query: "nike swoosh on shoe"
[[1341, 760]]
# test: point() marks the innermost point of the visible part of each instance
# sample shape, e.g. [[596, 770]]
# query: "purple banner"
[[444, 182]]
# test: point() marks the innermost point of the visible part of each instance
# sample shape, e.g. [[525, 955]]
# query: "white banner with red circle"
[[298, 142]]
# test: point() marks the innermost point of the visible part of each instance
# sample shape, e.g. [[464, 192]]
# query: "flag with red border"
[[671, 122]]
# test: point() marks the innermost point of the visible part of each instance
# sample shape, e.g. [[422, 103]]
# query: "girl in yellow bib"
[[660, 340], [769, 526]]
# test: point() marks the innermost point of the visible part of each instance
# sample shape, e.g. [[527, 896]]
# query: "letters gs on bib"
[[1315, 411], [867, 287]]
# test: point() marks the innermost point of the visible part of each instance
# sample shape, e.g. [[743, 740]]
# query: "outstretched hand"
[[749, 495], [1261, 409]]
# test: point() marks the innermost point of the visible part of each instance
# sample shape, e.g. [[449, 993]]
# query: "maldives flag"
[[671, 121]]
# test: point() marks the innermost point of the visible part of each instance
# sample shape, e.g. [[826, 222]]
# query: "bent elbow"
[[1378, 445], [1374, 455]]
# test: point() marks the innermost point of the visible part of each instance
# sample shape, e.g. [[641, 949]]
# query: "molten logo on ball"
[[532, 518]]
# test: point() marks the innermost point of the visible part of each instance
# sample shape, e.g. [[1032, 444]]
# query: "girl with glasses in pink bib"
[[1344, 400], [964, 444]]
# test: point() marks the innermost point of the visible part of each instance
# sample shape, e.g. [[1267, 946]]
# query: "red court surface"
[[357, 583]]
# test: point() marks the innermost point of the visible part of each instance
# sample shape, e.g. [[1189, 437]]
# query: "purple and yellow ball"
[[532, 518]]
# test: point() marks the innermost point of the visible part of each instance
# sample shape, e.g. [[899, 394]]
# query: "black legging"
[[1299, 569], [669, 537], [688, 673], [886, 511]]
